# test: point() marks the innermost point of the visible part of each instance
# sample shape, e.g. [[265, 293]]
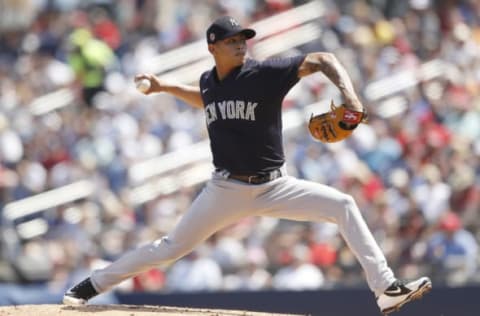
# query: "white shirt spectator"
[[11, 148], [300, 275]]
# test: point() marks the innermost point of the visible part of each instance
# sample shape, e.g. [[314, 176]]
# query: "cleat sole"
[[423, 289], [72, 301]]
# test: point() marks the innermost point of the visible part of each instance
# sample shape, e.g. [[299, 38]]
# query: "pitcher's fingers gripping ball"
[[335, 125]]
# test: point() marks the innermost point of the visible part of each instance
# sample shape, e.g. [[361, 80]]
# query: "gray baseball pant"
[[225, 201]]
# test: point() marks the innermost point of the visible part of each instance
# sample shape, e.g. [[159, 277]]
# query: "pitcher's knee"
[[348, 207], [349, 201]]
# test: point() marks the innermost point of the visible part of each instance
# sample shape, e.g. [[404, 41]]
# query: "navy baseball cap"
[[224, 27]]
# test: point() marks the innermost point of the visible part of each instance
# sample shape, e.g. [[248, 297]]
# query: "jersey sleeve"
[[283, 71], [203, 79], [202, 83]]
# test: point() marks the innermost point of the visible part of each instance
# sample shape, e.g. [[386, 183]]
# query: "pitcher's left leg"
[[295, 199]]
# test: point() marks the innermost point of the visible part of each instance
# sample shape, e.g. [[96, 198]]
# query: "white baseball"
[[143, 85]]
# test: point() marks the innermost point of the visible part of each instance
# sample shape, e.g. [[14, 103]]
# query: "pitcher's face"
[[231, 49]]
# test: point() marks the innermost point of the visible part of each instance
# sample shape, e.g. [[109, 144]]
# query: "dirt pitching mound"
[[118, 310]]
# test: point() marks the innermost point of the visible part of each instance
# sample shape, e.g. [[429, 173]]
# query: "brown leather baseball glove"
[[336, 125]]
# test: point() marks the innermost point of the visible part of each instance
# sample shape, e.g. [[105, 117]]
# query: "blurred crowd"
[[413, 170]]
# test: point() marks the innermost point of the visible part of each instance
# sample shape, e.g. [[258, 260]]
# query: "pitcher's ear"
[[211, 49]]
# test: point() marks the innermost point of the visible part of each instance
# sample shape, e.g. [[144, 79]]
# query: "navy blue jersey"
[[243, 113]]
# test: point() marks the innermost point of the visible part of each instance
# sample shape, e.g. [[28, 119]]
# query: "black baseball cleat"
[[400, 293], [80, 293]]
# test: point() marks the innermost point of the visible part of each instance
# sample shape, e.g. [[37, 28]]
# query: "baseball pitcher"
[[242, 99]]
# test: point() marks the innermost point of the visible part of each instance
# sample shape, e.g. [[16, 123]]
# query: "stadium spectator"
[[453, 251]]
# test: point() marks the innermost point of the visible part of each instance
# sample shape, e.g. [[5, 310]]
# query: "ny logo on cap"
[[233, 22], [212, 36]]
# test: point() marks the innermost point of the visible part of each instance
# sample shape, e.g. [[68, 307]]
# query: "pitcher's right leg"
[[217, 206]]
